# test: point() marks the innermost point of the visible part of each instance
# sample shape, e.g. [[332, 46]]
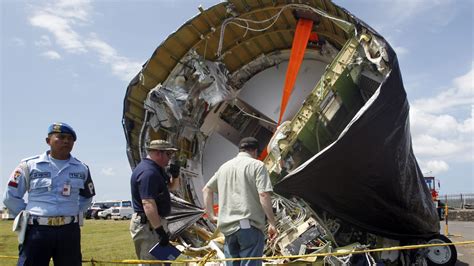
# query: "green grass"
[[103, 240]]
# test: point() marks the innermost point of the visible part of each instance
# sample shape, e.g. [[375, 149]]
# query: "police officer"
[[150, 185], [59, 190]]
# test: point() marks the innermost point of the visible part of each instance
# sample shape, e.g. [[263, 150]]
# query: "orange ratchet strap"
[[300, 41], [302, 33]]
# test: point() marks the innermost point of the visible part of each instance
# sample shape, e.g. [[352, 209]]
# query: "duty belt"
[[52, 220]]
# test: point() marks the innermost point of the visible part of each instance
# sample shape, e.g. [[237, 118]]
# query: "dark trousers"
[[42, 242], [244, 243]]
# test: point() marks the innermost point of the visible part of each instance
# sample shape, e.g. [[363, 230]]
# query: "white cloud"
[[51, 55], [76, 10], [43, 41], [442, 137], [122, 67], [63, 19], [60, 27], [466, 82], [59, 18], [107, 171], [462, 94], [440, 125], [434, 167], [467, 127], [428, 145]]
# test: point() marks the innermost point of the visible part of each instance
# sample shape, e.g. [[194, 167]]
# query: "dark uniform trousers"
[[42, 242]]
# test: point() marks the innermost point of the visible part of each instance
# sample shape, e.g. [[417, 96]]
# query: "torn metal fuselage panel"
[[344, 147]]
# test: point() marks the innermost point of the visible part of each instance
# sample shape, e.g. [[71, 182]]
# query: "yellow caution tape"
[[207, 259]]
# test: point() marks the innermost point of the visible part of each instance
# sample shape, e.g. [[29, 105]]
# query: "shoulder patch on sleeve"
[[14, 177], [90, 186]]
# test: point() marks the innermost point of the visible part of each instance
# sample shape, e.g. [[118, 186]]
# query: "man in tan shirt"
[[244, 189]]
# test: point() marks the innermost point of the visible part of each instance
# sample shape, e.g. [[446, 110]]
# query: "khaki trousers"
[[144, 237]]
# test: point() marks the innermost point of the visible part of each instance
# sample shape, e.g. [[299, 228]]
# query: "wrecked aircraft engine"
[[337, 144]]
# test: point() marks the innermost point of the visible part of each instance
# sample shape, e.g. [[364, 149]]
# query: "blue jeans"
[[62, 243], [243, 244]]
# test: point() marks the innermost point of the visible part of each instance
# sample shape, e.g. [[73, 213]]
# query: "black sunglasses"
[[169, 153]]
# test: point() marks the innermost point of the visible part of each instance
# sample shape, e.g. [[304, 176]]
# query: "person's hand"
[[174, 170], [164, 238], [272, 232]]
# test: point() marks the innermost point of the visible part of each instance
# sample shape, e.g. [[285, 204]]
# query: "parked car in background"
[[98, 206], [123, 212], [119, 210], [105, 214]]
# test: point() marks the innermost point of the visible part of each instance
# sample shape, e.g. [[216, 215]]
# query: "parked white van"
[[121, 209]]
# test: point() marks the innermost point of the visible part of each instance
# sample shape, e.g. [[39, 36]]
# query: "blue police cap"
[[59, 127]]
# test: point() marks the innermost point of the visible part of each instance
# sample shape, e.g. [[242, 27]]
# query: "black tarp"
[[183, 214], [369, 176]]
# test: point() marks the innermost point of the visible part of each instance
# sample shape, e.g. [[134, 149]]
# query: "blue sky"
[[72, 60]]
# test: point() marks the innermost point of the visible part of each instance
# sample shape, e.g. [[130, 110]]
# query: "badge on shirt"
[[13, 182], [35, 174], [67, 190], [77, 175]]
